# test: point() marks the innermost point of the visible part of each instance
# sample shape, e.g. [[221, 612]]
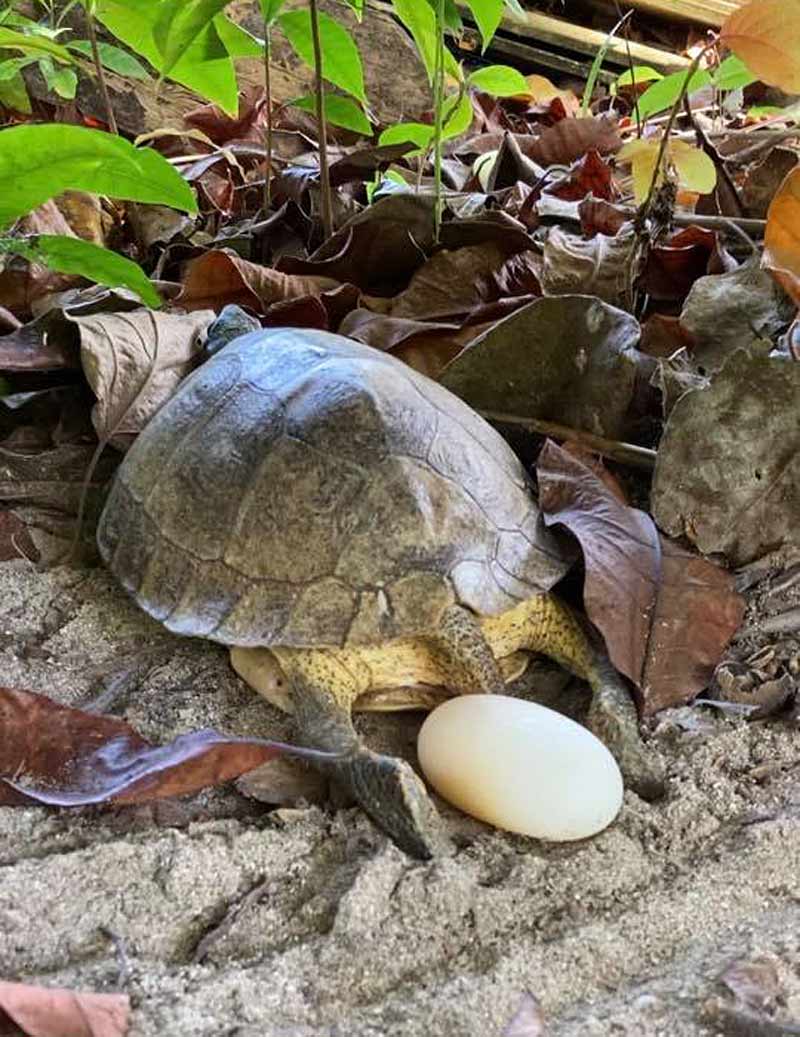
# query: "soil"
[[222, 915]]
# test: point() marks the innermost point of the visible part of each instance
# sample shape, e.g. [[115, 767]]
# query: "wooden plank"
[[543, 28], [703, 12]]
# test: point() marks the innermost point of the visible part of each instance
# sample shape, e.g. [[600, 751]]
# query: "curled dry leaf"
[[665, 615], [449, 284], [591, 176], [426, 346], [377, 250], [55, 1012], [570, 359], [527, 1021], [782, 236], [725, 312], [765, 34], [221, 277], [57, 756], [570, 139], [673, 267], [134, 362], [598, 266], [727, 475], [48, 343]]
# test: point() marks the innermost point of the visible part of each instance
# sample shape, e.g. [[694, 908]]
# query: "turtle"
[[355, 534]]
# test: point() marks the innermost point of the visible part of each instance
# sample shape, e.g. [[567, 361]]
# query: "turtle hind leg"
[[465, 658], [324, 685], [546, 625]]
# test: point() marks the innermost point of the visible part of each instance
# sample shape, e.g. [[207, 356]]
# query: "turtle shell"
[[303, 489]]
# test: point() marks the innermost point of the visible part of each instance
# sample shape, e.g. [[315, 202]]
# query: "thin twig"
[[438, 104], [98, 68], [657, 168], [319, 91], [268, 133], [625, 453]]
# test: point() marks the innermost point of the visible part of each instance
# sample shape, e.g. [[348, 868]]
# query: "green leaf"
[[62, 81], [181, 23], [75, 256], [638, 74], [132, 21], [30, 44], [487, 14], [665, 92], [732, 74], [39, 162], [12, 67], [516, 8], [270, 9], [358, 7], [418, 18], [238, 42], [499, 80], [418, 133], [457, 115], [115, 59], [339, 111], [14, 94], [341, 62]]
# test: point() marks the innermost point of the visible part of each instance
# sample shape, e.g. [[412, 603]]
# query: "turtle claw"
[[395, 798], [613, 718]]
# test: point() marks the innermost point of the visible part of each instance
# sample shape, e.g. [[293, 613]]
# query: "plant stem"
[[268, 133], [98, 68], [690, 71], [319, 91], [438, 104]]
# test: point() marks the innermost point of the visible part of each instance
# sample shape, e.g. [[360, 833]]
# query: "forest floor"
[[221, 916]]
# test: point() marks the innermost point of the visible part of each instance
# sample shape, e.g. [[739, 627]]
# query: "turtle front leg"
[[546, 625], [323, 686]]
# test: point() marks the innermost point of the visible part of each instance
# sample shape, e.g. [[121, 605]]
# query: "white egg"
[[520, 766]]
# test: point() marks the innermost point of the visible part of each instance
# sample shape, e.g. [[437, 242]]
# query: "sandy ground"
[[220, 916]]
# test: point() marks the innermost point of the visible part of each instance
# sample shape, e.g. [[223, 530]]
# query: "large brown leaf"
[[54, 755], [725, 312], [134, 362], [55, 1012], [377, 250], [570, 359], [570, 139], [666, 615], [221, 277], [727, 475], [450, 284]]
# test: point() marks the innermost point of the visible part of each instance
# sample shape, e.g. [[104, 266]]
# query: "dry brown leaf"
[[134, 362], [379, 249], [221, 277], [55, 1012], [598, 266], [54, 755], [727, 474], [424, 345], [674, 266], [590, 176], [48, 343], [782, 236], [449, 284], [570, 139], [765, 34], [740, 309], [570, 359], [665, 615]]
